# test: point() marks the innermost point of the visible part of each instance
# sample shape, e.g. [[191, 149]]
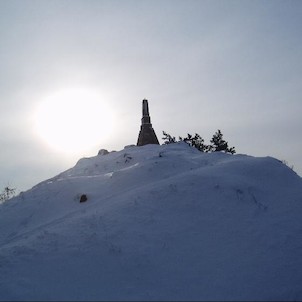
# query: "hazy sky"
[[203, 66]]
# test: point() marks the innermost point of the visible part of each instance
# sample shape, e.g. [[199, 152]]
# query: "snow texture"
[[160, 223]]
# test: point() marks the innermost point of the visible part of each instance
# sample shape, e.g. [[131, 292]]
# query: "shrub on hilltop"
[[217, 142], [7, 193]]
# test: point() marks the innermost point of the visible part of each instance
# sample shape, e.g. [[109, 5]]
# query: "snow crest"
[[160, 223]]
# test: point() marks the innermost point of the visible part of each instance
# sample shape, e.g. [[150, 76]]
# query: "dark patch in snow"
[[83, 198]]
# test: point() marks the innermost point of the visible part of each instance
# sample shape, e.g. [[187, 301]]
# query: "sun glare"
[[73, 120]]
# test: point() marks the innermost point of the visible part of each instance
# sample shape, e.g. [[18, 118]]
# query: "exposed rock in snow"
[[103, 152]]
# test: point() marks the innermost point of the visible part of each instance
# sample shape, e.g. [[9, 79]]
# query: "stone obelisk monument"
[[146, 135]]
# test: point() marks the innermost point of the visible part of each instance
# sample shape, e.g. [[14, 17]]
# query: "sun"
[[73, 120]]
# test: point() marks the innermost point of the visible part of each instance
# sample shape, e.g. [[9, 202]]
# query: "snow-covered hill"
[[160, 223]]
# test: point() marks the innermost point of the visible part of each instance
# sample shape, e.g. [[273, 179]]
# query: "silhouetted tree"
[[168, 139], [7, 193], [219, 144], [195, 141]]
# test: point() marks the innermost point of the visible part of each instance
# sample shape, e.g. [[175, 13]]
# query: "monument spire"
[[146, 135]]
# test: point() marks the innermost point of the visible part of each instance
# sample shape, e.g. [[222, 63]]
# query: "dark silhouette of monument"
[[146, 135]]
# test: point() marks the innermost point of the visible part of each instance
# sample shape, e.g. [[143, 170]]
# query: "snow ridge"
[[160, 223]]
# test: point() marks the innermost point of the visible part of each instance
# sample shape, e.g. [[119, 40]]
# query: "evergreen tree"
[[195, 141], [219, 144], [7, 193], [168, 139]]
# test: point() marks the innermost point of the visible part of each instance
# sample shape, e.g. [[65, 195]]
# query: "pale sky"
[[203, 66]]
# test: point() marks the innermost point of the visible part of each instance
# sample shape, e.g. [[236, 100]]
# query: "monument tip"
[[146, 134]]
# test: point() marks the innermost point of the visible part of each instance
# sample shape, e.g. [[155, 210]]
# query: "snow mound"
[[160, 223]]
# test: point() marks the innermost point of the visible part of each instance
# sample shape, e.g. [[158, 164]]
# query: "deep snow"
[[161, 223]]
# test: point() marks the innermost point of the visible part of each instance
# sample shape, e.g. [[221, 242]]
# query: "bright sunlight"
[[73, 120]]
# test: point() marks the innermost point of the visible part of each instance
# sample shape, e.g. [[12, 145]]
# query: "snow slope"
[[160, 223]]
